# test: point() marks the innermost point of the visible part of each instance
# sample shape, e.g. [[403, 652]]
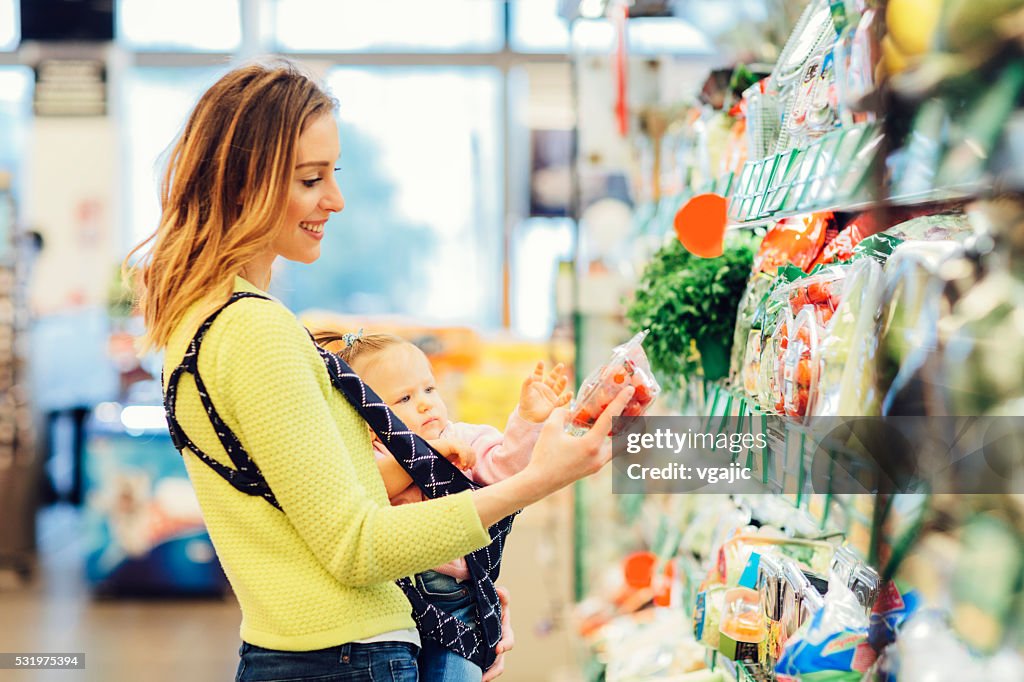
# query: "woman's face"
[[314, 193]]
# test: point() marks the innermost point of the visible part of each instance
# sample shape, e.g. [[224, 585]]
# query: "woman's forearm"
[[498, 500], [558, 459]]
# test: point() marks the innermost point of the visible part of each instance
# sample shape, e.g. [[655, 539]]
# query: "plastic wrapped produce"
[[942, 227], [798, 365], [796, 241], [757, 289], [908, 329], [763, 326], [627, 366], [848, 383], [769, 389]]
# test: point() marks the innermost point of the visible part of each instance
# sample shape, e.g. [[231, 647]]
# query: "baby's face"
[[402, 377]]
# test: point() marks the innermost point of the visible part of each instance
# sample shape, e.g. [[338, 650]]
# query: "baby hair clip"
[[350, 339]]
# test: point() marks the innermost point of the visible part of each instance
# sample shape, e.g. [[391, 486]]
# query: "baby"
[[401, 375]]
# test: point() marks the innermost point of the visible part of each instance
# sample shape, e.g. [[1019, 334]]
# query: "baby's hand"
[[541, 394], [455, 451]]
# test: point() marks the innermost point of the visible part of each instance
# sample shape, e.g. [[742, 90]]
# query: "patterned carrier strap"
[[437, 477], [434, 474], [245, 476]]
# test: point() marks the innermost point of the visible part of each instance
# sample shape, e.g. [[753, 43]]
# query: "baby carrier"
[[434, 474]]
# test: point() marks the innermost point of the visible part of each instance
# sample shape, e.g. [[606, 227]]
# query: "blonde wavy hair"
[[225, 190]]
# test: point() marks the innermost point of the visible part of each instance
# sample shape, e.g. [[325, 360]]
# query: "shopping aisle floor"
[[146, 640], [123, 639]]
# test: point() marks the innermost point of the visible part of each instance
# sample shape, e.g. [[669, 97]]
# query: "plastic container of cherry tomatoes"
[[628, 366], [799, 365], [769, 386]]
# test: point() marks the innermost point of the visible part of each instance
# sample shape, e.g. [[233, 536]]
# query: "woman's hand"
[[508, 638], [558, 459]]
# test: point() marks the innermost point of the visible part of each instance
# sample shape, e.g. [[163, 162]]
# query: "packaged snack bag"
[[833, 645], [627, 366]]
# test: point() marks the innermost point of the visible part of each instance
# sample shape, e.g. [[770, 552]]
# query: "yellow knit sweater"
[[320, 574]]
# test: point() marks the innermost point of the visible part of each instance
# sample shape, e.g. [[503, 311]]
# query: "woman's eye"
[[403, 399], [311, 183], [431, 389]]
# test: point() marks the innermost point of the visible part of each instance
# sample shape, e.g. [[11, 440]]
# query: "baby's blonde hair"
[[350, 347]]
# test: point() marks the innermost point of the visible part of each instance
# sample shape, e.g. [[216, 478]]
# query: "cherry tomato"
[[804, 336], [803, 373], [799, 300], [818, 292]]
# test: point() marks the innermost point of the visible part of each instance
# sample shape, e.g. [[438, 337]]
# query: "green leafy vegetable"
[[689, 304]]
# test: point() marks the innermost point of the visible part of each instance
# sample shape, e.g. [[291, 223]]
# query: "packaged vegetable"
[[841, 248], [795, 370], [878, 247], [757, 288], [627, 366], [798, 365], [858, 52], [758, 377], [847, 384], [769, 388], [931, 228], [908, 325], [708, 614], [796, 241], [864, 225]]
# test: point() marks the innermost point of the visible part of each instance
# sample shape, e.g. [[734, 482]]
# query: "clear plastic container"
[[627, 366], [799, 365]]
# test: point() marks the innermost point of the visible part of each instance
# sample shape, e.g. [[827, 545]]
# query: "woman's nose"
[[333, 200]]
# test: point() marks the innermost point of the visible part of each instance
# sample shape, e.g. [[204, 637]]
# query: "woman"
[[281, 462]]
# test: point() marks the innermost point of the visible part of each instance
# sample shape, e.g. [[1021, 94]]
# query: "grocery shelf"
[[740, 671], [934, 197]]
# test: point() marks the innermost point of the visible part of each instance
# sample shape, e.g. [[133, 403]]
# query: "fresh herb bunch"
[[689, 304]]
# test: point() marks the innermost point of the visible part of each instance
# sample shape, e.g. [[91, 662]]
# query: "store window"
[[8, 26], [15, 110], [539, 245], [651, 36], [537, 27], [421, 171], [386, 25], [148, 25], [156, 102]]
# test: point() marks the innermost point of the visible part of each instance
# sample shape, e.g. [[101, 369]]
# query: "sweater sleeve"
[[270, 382], [499, 455]]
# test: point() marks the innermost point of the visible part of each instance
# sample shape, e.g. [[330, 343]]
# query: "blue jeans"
[[437, 664], [380, 662]]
